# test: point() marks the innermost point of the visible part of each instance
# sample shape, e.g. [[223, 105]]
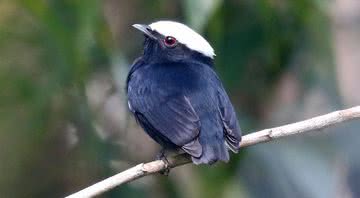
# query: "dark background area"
[[64, 122]]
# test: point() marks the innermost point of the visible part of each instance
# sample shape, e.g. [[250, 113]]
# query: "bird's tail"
[[213, 144]]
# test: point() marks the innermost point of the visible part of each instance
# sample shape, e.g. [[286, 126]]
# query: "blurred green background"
[[64, 122]]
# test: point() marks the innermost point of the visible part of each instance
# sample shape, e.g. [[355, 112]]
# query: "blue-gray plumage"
[[178, 99]]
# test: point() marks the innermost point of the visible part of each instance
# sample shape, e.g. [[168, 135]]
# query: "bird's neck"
[[193, 58]]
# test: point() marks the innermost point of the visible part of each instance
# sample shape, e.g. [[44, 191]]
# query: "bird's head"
[[173, 41]]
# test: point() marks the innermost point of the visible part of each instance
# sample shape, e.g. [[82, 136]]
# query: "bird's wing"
[[231, 126], [136, 64], [171, 116]]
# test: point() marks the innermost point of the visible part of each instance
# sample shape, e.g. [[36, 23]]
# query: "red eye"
[[170, 41]]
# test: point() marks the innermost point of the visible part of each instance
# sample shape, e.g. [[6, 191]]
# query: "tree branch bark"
[[265, 135]]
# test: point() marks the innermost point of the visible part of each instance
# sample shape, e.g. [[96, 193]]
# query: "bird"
[[177, 97]]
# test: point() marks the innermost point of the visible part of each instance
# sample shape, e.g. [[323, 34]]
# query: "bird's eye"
[[170, 41]]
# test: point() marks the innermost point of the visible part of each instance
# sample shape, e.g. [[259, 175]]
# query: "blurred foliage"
[[63, 117]]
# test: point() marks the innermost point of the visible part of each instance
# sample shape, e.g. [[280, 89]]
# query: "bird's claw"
[[166, 171], [161, 156]]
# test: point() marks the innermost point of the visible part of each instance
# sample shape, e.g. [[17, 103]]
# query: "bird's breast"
[[175, 77], [160, 83]]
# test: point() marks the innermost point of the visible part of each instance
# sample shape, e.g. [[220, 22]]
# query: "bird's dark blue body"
[[180, 102]]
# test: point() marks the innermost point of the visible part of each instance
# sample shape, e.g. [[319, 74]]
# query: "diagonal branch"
[[265, 135]]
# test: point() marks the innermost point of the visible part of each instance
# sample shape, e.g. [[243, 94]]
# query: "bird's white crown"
[[184, 35]]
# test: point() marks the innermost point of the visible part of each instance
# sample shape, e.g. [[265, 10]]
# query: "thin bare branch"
[[265, 135]]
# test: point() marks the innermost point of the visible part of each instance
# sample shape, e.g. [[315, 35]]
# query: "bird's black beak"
[[145, 29]]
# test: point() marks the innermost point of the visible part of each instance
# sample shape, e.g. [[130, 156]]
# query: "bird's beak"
[[145, 29]]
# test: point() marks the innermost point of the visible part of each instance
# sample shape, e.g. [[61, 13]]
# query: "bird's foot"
[[161, 156]]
